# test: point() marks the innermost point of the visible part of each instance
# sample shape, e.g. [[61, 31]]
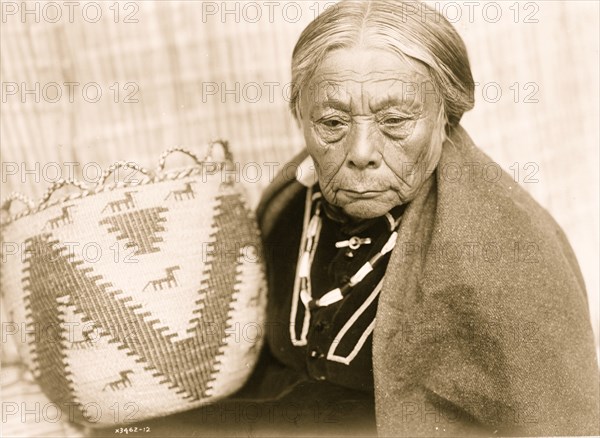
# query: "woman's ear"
[[445, 132], [298, 115], [444, 125], [447, 129]]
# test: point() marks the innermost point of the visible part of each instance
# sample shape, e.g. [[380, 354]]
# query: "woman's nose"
[[363, 149]]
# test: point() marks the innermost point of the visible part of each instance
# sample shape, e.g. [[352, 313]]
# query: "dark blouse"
[[339, 339]]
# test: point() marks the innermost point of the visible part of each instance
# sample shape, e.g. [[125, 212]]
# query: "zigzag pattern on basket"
[[187, 365], [158, 332], [138, 228], [222, 273], [48, 352]]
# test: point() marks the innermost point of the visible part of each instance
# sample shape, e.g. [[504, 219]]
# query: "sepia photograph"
[[350, 218]]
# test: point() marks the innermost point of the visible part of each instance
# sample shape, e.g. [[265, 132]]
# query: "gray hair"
[[410, 29]]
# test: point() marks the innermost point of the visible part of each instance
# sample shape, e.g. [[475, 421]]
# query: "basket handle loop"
[[118, 165], [57, 185], [224, 146], [165, 154], [16, 196]]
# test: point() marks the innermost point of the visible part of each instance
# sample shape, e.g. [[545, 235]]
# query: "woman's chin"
[[366, 209]]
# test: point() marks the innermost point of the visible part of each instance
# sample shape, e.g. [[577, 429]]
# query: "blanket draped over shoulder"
[[483, 322]]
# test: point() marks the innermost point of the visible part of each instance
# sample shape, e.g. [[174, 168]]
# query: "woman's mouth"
[[361, 194]]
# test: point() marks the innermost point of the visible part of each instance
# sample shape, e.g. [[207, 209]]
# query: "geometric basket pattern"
[[140, 300]]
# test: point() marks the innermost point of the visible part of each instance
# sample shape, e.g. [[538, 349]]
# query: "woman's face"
[[372, 125]]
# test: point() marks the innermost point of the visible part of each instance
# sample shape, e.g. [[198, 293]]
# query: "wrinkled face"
[[372, 124]]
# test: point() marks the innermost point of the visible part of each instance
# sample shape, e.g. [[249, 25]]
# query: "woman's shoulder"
[[491, 315], [481, 199]]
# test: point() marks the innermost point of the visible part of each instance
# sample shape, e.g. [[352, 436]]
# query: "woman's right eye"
[[331, 129], [333, 123]]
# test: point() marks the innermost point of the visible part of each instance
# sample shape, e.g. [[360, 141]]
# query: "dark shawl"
[[495, 339]]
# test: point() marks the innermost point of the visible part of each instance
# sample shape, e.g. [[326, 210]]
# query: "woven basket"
[[137, 299]]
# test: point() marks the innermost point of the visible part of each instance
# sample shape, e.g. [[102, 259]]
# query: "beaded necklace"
[[302, 283]]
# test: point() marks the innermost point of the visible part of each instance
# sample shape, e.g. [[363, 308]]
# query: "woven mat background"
[[178, 53]]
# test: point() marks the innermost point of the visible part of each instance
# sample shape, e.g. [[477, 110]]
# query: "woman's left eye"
[[397, 126], [392, 121]]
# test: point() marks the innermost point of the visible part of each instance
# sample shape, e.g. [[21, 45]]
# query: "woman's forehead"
[[372, 76]]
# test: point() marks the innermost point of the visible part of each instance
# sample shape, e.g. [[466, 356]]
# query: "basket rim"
[[170, 175]]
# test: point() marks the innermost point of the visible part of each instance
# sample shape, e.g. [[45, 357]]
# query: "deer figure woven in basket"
[[138, 293]]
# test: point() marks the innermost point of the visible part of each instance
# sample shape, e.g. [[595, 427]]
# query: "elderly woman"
[[452, 301], [406, 298]]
